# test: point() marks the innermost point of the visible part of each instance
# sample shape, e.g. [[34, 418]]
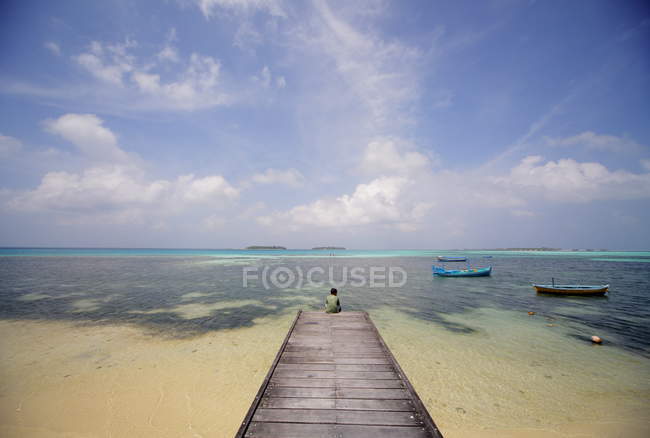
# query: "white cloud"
[[209, 7], [380, 201], [88, 133], [290, 177], [204, 190], [382, 74], [409, 196], [108, 63], [168, 53], [118, 194], [97, 188], [645, 164], [567, 180], [115, 189], [246, 37], [591, 140], [53, 47], [197, 86], [213, 223], [266, 79], [390, 156], [523, 213], [9, 146]]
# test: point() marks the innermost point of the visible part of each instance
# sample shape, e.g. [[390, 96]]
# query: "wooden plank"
[[374, 405], [332, 348], [333, 403], [335, 360], [298, 403], [336, 374], [334, 367], [336, 383], [325, 355], [296, 430], [336, 416], [362, 360], [377, 394], [277, 391]]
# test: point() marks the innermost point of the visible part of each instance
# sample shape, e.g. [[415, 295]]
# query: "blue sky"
[[369, 124]]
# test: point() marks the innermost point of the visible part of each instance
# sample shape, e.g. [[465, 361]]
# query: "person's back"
[[332, 303]]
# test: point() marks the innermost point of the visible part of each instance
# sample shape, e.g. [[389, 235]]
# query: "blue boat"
[[451, 259], [470, 272]]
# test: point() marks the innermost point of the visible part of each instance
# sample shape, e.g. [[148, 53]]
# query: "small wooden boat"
[[451, 259], [470, 272], [571, 289]]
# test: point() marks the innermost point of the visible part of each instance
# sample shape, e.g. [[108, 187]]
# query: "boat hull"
[[451, 259], [571, 290], [477, 272]]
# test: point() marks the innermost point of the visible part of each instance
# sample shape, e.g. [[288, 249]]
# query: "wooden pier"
[[335, 377]]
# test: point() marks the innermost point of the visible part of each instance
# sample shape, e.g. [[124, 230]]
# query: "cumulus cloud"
[[204, 190], [9, 146], [567, 180], [114, 189], [290, 177], [88, 133], [412, 195], [591, 140], [378, 202], [115, 194], [388, 156], [98, 188]]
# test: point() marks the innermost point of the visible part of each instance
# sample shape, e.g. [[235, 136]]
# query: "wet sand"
[[512, 380]]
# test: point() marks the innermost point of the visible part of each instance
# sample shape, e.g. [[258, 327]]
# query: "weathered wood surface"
[[335, 377]]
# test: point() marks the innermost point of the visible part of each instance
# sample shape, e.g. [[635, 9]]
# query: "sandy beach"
[[65, 380]]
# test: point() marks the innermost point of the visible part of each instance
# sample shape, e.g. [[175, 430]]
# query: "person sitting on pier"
[[332, 303]]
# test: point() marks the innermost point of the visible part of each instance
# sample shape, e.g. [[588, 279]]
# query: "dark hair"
[[333, 291]]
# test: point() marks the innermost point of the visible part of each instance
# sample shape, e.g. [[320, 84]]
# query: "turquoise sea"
[[122, 283]]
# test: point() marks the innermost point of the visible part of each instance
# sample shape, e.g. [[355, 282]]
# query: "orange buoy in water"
[[596, 340], [531, 313]]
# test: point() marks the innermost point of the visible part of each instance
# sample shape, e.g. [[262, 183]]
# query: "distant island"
[[265, 247], [543, 248], [328, 247]]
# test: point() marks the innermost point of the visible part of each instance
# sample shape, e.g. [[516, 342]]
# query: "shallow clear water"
[[188, 292], [475, 356]]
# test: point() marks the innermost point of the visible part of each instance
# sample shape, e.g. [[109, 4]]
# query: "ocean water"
[[475, 356]]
